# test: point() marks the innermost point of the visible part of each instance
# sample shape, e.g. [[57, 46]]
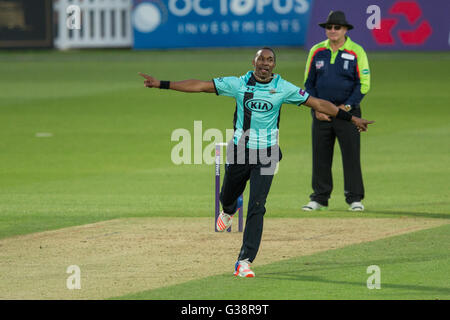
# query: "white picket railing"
[[104, 23]]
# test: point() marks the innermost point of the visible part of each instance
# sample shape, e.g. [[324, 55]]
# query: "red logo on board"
[[412, 12]]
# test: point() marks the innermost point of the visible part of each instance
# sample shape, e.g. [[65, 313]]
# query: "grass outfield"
[[83, 141]]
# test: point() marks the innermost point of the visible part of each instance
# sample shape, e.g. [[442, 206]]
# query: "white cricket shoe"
[[242, 269], [313, 205], [223, 221], [356, 206]]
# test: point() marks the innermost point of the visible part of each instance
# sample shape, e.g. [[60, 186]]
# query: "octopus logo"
[[148, 15], [412, 12]]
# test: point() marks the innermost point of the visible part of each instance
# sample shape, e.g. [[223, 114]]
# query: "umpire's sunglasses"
[[330, 26]]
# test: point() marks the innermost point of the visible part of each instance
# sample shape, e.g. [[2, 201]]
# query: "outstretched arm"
[[330, 109], [183, 86], [321, 105]]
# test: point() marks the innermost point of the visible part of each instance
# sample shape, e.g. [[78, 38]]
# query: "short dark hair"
[[270, 49]]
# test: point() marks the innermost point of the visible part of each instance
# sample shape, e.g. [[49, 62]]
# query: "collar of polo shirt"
[[347, 46]]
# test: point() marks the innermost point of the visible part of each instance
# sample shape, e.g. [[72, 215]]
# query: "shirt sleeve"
[[295, 95], [363, 76], [310, 73], [227, 86]]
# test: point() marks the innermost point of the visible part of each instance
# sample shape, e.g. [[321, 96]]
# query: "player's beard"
[[263, 76]]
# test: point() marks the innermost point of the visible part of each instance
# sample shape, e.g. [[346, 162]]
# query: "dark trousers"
[[324, 135], [235, 180]]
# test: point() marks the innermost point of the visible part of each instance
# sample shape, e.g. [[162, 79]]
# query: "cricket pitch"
[[123, 256]]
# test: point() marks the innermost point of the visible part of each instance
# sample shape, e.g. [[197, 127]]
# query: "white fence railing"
[[103, 23]]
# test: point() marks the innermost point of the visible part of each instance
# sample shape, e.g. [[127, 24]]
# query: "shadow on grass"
[[304, 278], [411, 214], [325, 265]]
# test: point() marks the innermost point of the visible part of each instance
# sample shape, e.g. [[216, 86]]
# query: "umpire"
[[337, 70]]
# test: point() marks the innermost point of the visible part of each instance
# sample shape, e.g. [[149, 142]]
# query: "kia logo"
[[258, 105]]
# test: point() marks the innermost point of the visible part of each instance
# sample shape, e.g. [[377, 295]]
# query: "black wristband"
[[164, 84], [343, 115]]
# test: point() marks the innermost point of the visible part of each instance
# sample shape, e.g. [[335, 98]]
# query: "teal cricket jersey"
[[258, 106]]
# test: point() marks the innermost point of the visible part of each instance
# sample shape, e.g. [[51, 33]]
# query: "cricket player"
[[254, 150]]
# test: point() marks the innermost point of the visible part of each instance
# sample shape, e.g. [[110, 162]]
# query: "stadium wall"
[[403, 24], [219, 23]]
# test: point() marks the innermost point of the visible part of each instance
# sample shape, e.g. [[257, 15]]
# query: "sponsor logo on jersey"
[[258, 105]]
